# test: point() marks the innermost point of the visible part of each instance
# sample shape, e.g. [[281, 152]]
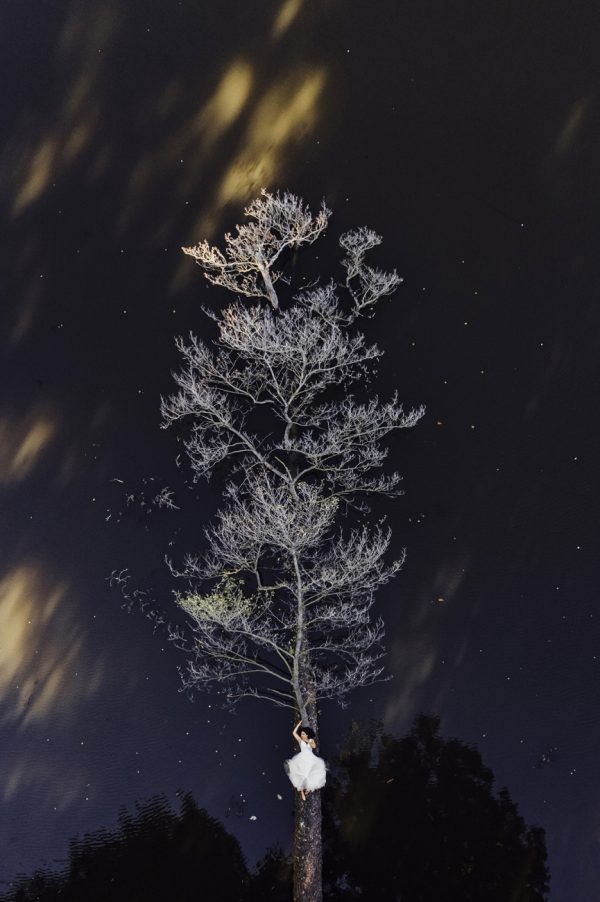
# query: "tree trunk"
[[271, 293], [308, 852], [308, 846]]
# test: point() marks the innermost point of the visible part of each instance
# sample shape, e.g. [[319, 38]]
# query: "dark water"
[[411, 818], [468, 137]]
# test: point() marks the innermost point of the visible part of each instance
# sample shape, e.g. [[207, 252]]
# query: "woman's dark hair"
[[309, 732]]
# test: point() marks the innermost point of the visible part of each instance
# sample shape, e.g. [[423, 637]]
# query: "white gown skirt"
[[306, 770]]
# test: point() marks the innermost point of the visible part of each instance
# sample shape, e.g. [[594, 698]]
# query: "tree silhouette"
[[417, 819], [273, 879], [414, 819], [155, 855]]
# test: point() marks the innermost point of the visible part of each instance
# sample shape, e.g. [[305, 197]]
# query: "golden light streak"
[[288, 11], [38, 173], [167, 99], [193, 141], [571, 129], [227, 102], [78, 138], [413, 656], [47, 676], [25, 314], [283, 116], [76, 119], [242, 136], [42, 668], [55, 783], [22, 443], [412, 662]]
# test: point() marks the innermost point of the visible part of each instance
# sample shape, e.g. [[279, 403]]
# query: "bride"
[[306, 770]]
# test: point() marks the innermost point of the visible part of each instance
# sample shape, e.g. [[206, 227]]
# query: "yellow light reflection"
[[571, 129], [413, 655], [22, 444], [78, 138], [283, 116], [54, 784], [227, 102], [288, 11], [85, 36], [37, 175], [42, 668], [193, 141], [241, 136], [280, 119], [168, 98], [25, 313], [412, 663]]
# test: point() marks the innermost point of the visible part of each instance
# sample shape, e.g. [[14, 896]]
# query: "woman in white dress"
[[306, 770]]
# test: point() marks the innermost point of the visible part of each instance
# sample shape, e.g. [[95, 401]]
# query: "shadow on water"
[[153, 854], [415, 818], [418, 818]]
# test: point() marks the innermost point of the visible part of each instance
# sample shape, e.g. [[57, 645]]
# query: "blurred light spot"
[[571, 129], [80, 91], [37, 175], [22, 443], [285, 114], [56, 784], [281, 118], [411, 662], [77, 139], [285, 16], [227, 102], [52, 153], [41, 648], [184, 151], [25, 314], [167, 100], [88, 28]]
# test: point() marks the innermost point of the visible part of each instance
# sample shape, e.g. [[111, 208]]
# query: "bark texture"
[[308, 852], [308, 847]]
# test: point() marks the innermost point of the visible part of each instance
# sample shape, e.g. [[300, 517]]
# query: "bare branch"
[[365, 284], [278, 221], [289, 616]]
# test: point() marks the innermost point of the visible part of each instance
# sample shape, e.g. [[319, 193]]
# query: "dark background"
[[467, 134]]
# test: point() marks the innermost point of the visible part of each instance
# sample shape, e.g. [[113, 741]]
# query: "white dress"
[[306, 770]]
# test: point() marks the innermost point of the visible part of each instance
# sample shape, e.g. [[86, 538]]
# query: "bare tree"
[[287, 613], [276, 223]]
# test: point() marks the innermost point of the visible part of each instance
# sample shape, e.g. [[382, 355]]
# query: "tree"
[[417, 818], [293, 577], [154, 854]]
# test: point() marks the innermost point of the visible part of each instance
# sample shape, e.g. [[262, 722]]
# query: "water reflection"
[[286, 14], [23, 440], [414, 818], [155, 854], [48, 674], [417, 818], [51, 154], [35, 616]]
